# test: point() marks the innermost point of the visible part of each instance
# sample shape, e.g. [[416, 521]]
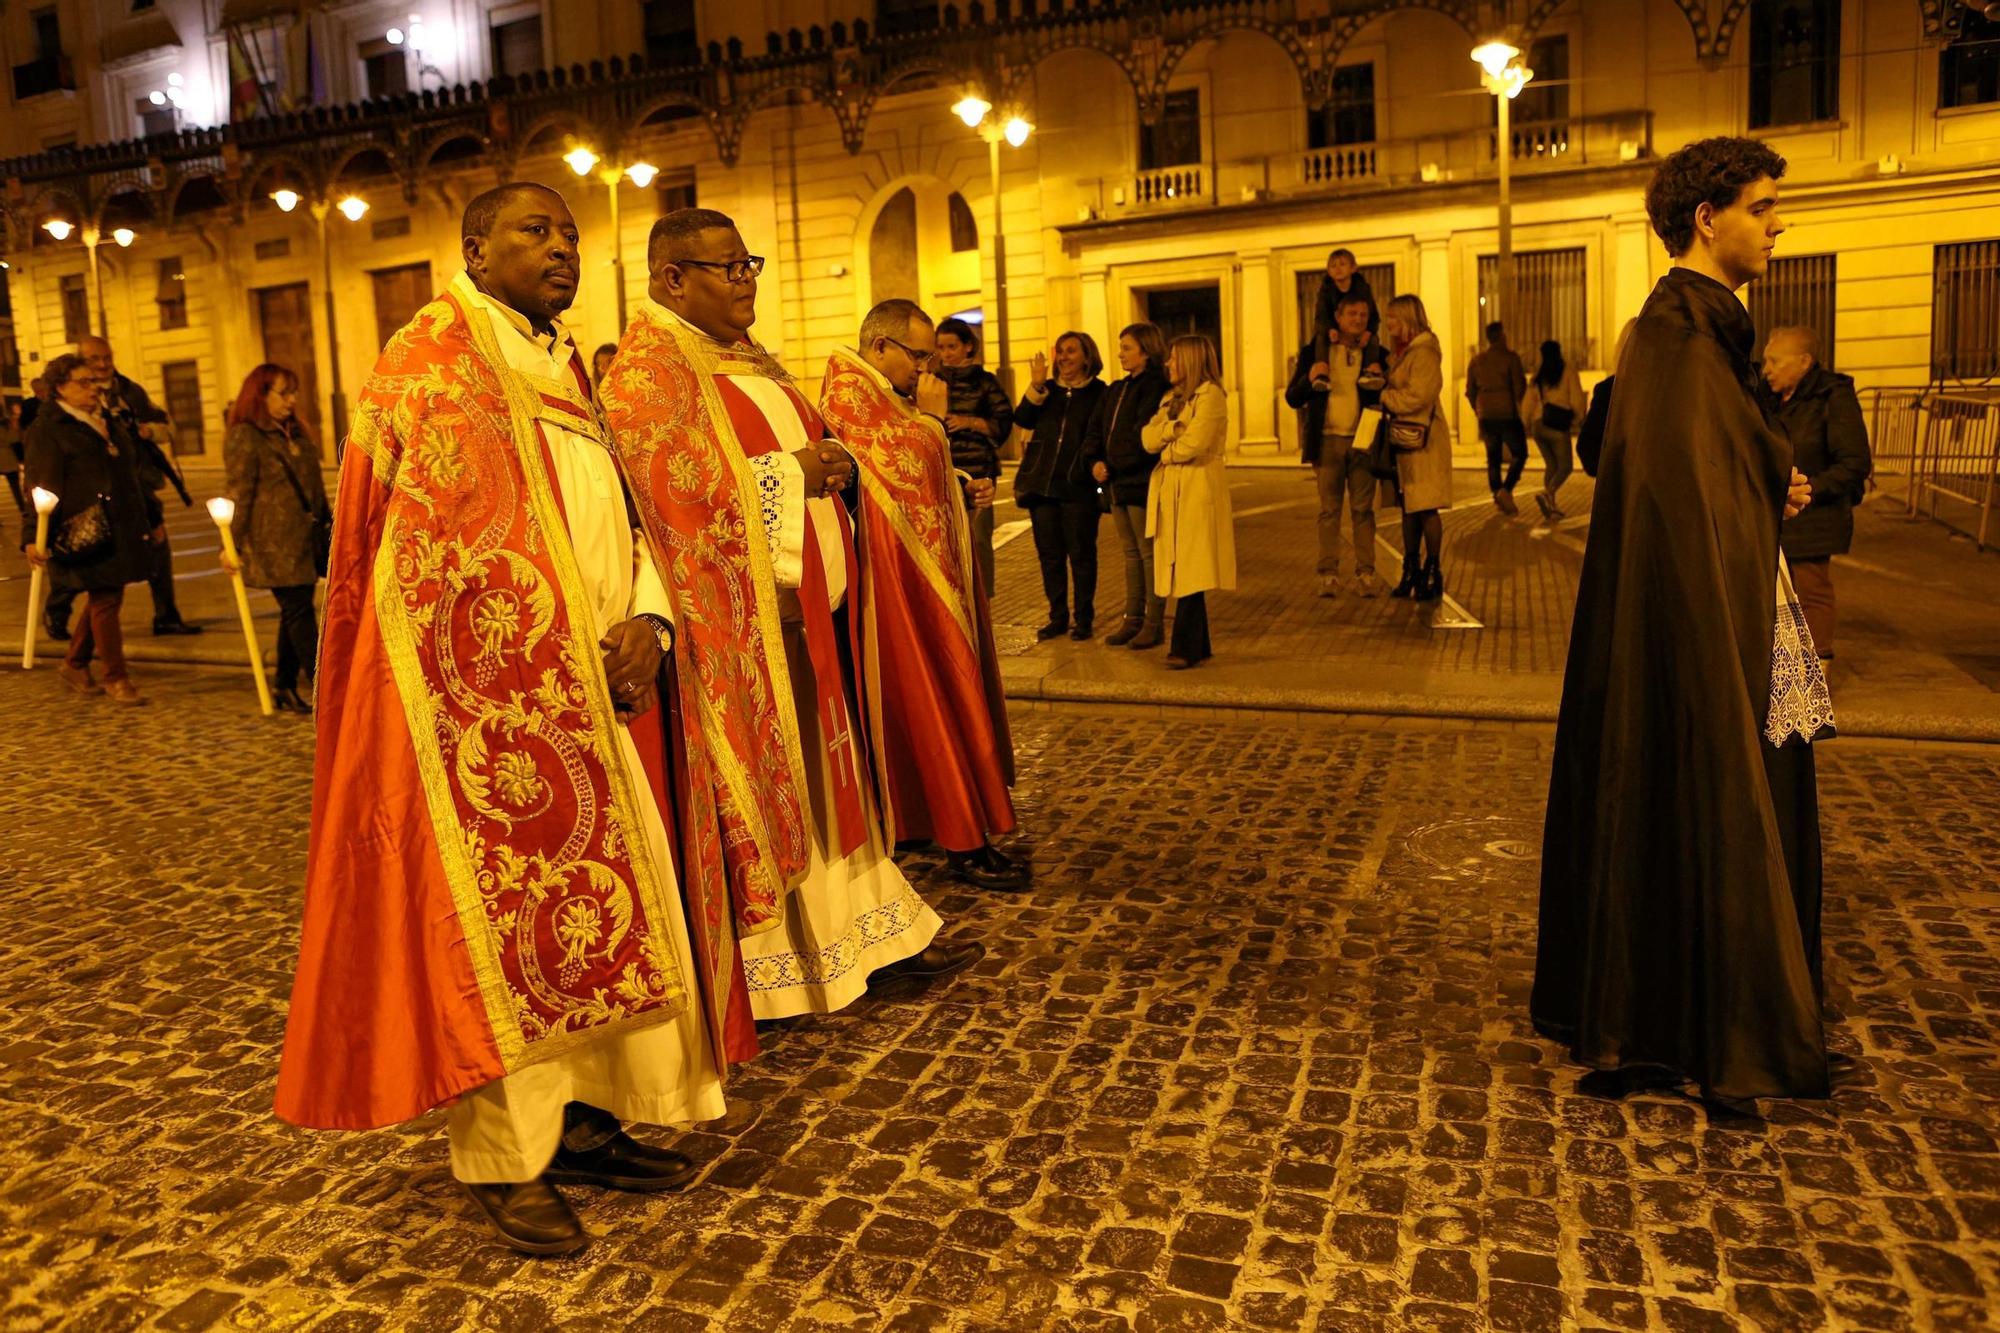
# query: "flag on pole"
[[245, 94]]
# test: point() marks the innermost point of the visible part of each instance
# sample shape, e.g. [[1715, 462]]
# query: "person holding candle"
[[280, 498], [104, 528], [512, 865]]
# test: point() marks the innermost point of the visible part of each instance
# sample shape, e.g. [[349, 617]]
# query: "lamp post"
[[60, 228], [353, 207], [1505, 76], [582, 161], [976, 112]]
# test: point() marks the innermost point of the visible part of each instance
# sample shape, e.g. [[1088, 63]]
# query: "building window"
[[1969, 65], [180, 385], [1965, 312], [47, 26], [1794, 62], [1176, 140], [170, 294], [671, 36], [385, 69], [1551, 300], [156, 119], [1796, 292], [964, 231], [899, 16], [1350, 116], [1546, 100], [517, 42], [676, 194], [75, 307]]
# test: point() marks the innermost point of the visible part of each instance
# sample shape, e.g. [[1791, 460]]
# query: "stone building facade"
[[1192, 162]]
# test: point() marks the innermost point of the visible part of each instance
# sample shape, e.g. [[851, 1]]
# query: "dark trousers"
[[1812, 580], [1066, 542], [981, 523], [1508, 434], [1794, 783], [98, 634], [298, 634], [1189, 641], [20, 501]]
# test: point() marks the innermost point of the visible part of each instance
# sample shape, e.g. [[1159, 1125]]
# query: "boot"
[[1430, 584], [1149, 636], [1411, 579], [1126, 632]]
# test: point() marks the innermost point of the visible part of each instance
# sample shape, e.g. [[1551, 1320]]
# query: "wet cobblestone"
[[1253, 1055]]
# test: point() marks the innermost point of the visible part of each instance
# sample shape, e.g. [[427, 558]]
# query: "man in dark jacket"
[[1681, 875], [1330, 404], [1495, 384], [977, 423], [1822, 418]]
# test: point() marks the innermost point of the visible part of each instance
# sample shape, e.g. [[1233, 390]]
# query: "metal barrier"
[[1960, 460], [1895, 437]]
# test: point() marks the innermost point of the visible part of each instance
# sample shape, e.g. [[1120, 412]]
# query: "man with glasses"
[[739, 491], [946, 758]]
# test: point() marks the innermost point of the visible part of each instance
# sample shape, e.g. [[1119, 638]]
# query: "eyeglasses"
[[922, 359], [734, 270]]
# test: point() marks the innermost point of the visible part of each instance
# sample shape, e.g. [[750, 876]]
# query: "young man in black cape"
[[1681, 860]]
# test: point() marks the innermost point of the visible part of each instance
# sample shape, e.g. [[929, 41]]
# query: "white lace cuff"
[[781, 497]]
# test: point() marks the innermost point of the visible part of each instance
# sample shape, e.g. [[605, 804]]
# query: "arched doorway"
[[920, 242]]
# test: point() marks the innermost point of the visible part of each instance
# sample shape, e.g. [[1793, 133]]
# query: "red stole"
[[942, 742], [754, 432]]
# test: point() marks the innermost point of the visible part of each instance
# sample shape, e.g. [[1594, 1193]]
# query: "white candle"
[[223, 510], [45, 504]]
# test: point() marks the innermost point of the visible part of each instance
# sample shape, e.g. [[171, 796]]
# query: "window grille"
[[1796, 292], [170, 294], [1965, 312], [1794, 62], [75, 307], [181, 387], [1551, 300]]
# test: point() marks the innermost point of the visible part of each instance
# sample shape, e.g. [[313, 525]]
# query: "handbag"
[[1558, 418], [1408, 435], [85, 537], [1374, 427], [321, 536]]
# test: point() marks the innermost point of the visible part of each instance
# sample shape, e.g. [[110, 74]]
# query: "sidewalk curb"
[[1860, 724]]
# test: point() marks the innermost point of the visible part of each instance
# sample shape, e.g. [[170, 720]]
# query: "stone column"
[[1094, 314], [1257, 355]]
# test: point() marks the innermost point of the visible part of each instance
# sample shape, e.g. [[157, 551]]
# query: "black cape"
[[1680, 858]]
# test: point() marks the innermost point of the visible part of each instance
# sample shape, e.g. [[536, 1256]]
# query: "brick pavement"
[[1253, 1055]]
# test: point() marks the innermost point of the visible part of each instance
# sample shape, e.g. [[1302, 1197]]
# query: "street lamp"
[[63, 228], [977, 113], [1501, 70], [353, 208], [583, 162]]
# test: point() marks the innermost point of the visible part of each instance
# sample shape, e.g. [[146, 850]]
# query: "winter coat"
[[1187, 501], [1829, 439], [976, 392], [273, 531], [1565, 392], [1590, 440], [1053, 469], [1495, 383], [72, 459], [1310, 403], [1112, 438], [1416, 384]]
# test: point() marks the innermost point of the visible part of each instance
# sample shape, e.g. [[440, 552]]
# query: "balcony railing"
[[1190, 186], [1338, 166]]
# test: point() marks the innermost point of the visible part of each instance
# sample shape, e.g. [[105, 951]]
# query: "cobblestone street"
[[1254, 1054]]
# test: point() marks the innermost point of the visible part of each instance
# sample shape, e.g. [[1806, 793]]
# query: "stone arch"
[[567, 121], [54, 201], [1155, 96], [434, 151], [1464, 15], [1067, 39], [729, 138], [133, 198], [280, 167], [201, 185], [638, 122], [955, 274], [1531, 26]]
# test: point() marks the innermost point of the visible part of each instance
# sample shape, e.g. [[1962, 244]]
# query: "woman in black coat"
[[1118, 459], [71, 452], [1054, 484]]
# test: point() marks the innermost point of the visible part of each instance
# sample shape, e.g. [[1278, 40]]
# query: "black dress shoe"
[[999, 863], [57, 627], [622, 1163], [940, 959], [1080, 630], [974, 869], [1613, 1084], [291, 701], [1055, 629], [531, 1216], [165, 627], [1730, 1112]]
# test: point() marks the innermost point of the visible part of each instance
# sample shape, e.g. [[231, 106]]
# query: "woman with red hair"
[[282, 521]]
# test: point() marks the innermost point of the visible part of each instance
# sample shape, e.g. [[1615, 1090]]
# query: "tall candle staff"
[[223, 510], [38, 577]]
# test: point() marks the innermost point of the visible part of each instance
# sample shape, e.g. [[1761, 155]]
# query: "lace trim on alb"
[[1801, 706]]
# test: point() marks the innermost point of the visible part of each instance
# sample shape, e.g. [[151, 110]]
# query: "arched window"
[[964, 231]]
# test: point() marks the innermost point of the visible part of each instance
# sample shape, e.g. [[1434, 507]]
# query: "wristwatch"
[[663, 630]]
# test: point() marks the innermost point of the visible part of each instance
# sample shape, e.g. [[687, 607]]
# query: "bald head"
[[1789, 356], [97, 353]]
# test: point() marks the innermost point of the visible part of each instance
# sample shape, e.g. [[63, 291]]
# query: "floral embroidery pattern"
[[1801, 706]]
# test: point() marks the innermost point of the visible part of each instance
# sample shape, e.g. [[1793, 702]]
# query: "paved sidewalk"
[[1919, 642], [1919, 646]]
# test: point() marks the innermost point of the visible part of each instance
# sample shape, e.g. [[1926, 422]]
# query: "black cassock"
[[1680, 858]]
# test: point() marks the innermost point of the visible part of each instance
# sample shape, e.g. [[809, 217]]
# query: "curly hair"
[[1713, 172]]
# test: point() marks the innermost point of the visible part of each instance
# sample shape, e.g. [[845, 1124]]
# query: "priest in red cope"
[[941, 743]]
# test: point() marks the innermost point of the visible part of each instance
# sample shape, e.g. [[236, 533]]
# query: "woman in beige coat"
[[1187, 502], [1423, 476]]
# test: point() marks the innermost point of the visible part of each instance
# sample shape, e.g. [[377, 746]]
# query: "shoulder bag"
[[322, 519], [85, 537]]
